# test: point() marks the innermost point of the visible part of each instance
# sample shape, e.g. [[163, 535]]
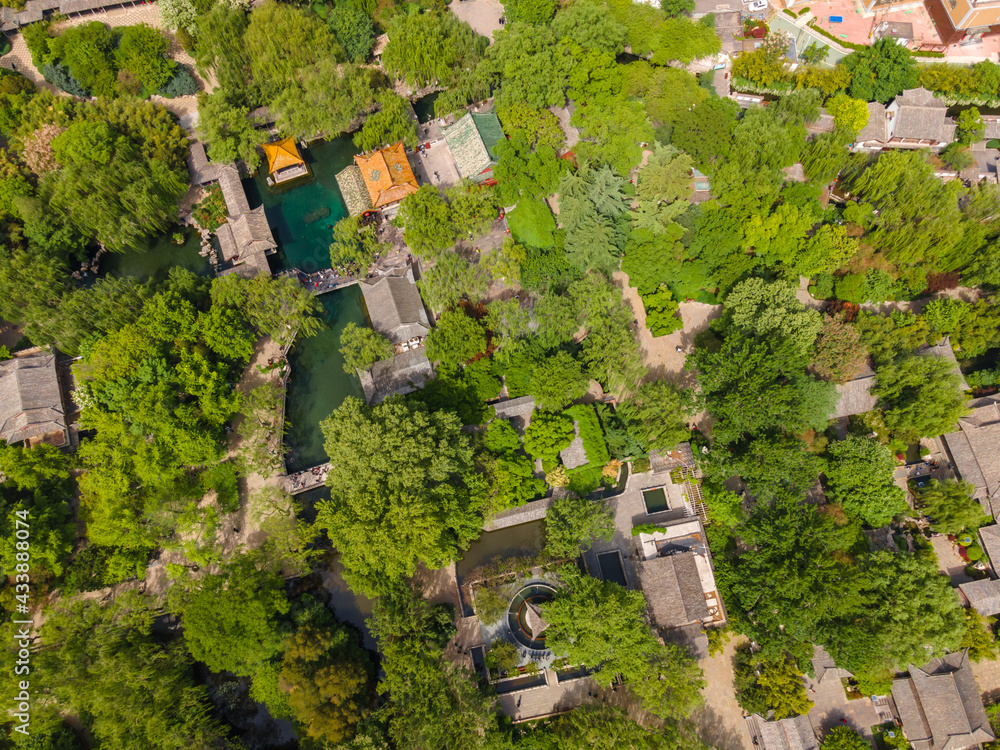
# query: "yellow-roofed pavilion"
[[284, 162]]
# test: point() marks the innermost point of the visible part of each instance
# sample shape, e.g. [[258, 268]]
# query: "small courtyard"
[[857, 29]]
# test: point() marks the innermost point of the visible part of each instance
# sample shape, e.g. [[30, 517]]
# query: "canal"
[[524, 539], [156, 262], [319, 384]]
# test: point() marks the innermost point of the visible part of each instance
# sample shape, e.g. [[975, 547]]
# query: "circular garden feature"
[[524, 616]]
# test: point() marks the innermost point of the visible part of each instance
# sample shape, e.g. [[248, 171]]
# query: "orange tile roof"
[[281, 154], [387, 175]]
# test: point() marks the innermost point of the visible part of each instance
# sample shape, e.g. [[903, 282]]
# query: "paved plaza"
[[482, 15]]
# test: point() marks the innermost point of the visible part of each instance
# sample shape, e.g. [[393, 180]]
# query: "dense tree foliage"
[[573, 523], [602, 625], [103, 663], [374, 501], [951, 507], [860, 476]]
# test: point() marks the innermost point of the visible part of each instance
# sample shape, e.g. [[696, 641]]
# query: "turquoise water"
[[319, 384], [156, 262], [302, 213]]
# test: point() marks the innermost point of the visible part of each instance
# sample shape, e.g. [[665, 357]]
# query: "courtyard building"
[[32, 409], [940, 707], [973, 449], [472, 142], [397, 312]]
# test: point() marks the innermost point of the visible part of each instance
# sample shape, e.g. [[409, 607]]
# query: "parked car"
[[757, 6]]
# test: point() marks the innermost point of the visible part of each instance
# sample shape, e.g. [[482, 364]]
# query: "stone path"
[[832, 708], [988, 678], [949, 561], [659, 353], [720, 721]]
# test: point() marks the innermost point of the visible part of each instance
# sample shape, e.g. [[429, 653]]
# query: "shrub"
[[490, 605], [182, 83], [222, 478], [59, 76], [504, 656], [211, 211], [532, 223], [590, 431], [548, 434]]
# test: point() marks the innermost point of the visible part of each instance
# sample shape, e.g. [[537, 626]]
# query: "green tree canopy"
[[920, 396], [951, 507], [844, 738], [881, 71], [548, 434], [362, 347], [327, 679], [558, 380], [401, 480], [860, 475], [456, 338], [573, 524], [103, 662], [603, 625], [230, 618], [657, 414], [426, 222]]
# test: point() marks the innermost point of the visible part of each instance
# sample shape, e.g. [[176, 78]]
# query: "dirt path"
[[659, 353], [720, 720]]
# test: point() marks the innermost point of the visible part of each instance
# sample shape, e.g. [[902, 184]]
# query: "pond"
[[524, 539], [424, 107], [156, 262], [318, 382], [302, 213]]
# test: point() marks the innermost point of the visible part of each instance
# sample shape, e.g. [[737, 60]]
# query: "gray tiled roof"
[[974, 449], [517, 411], [202, 171], [404, 373], [394, 306], [825, 667], [943, 349], [232, 190], [990, 538], [30, 403], [795, 733], [822, 124], [940, 707], [251, 232], [983, 596], [922, 116], [876, 128], [855, 396], [673, 589]]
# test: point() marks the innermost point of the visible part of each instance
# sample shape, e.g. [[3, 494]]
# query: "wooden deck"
[[306, 480]]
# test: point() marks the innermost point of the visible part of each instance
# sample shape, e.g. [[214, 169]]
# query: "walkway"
[[720, 721], [949, 561], [659, 353], [305, 480], [482, 15]]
